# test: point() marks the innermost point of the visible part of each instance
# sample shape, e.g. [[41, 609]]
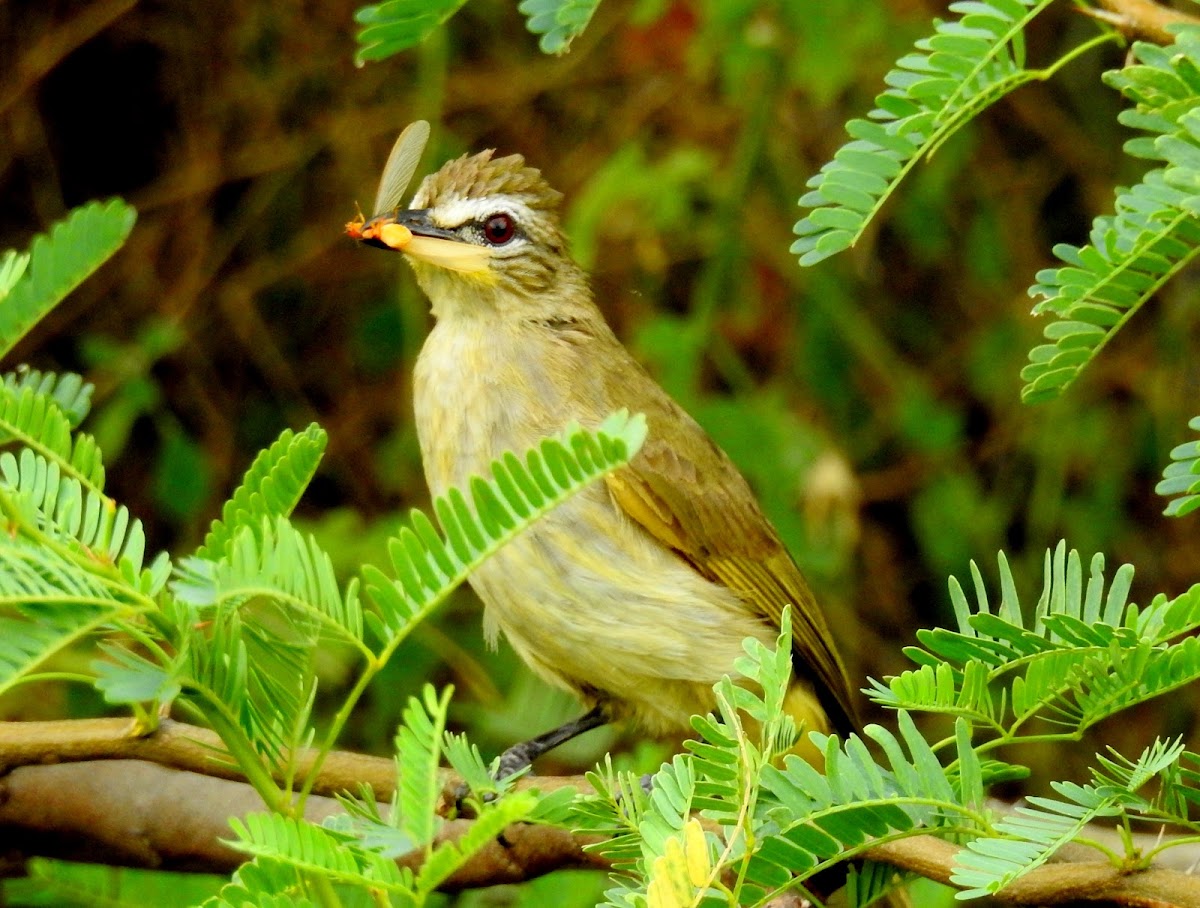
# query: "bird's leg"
[[521, 755]]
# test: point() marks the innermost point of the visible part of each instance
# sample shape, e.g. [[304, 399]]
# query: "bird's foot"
[[518, 758]]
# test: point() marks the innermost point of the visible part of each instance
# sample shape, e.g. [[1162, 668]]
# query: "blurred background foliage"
[[873, 401]]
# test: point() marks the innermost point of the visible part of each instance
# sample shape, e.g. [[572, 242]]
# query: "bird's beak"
[[410, 231]]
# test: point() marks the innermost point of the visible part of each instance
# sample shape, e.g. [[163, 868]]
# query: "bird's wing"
[[699, 505]]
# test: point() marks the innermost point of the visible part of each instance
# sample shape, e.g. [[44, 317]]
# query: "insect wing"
[[401, 164]]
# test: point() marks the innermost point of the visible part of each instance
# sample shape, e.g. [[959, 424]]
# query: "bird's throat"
[[455, 294]]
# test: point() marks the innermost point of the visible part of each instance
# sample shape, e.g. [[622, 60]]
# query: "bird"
[[637, 593]]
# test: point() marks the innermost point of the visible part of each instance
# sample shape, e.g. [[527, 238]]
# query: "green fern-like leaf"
[[271, 487], [638, 829], [33, 418], [1105, 685], [615, 814], [753, 730], [942, 688], [316, 851], [253, 688], [1154, 233], [127, 677], [397, 25], [12, 267], [819, 817], [80, 517], [1182, 476], [269, 601], [282, 565], [69, 391], [967, 64], [418, 755], [73, 564], [1065, 606], [1042, 826], [466, 760], [429, 566], [47, 604], [1081, 655], [559, 22], [414, 819], [57, 490], [1119, 773], [264, 883], [288, 850], [491, 822], [868, 882], [58, 263], [673, 796], [1180, 790], [989, 864], [772, 669]]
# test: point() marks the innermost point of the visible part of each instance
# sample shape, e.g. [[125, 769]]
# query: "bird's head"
[[485, 231]]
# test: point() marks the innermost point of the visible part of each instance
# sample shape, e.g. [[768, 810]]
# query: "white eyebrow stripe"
[[461, 211]]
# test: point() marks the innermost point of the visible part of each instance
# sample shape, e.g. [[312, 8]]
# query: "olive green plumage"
[[637, 593]]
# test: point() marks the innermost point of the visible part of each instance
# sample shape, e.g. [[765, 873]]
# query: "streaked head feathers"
[[480, 175], [482, 230]]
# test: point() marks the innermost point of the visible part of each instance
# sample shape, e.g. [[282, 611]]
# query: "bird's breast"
[[478, 391], [586, 596]]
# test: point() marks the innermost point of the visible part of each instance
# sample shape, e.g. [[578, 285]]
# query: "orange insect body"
[[379, 231], [394, 236], [354, 228]]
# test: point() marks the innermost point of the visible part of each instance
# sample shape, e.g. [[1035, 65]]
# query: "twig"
[[1142, 19], [174, 744], [164, 800], [133, 813], [1055, 883]]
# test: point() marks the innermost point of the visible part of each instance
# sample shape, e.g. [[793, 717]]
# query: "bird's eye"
[[499, 229]]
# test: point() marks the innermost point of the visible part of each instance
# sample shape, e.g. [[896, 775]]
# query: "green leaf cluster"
[[773, 822], [33, 283], [739, 820], [353, 855], [1083, 654], [72, 559], [967, 64], [267, 596], [558, 22], [396, 25], [1153, 233], [952, 75], [1182, 476]]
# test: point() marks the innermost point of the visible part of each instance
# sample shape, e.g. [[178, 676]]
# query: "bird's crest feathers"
[[480, 175]]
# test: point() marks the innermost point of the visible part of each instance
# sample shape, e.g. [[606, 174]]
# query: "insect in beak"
[[418, 238], [381, 229]]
